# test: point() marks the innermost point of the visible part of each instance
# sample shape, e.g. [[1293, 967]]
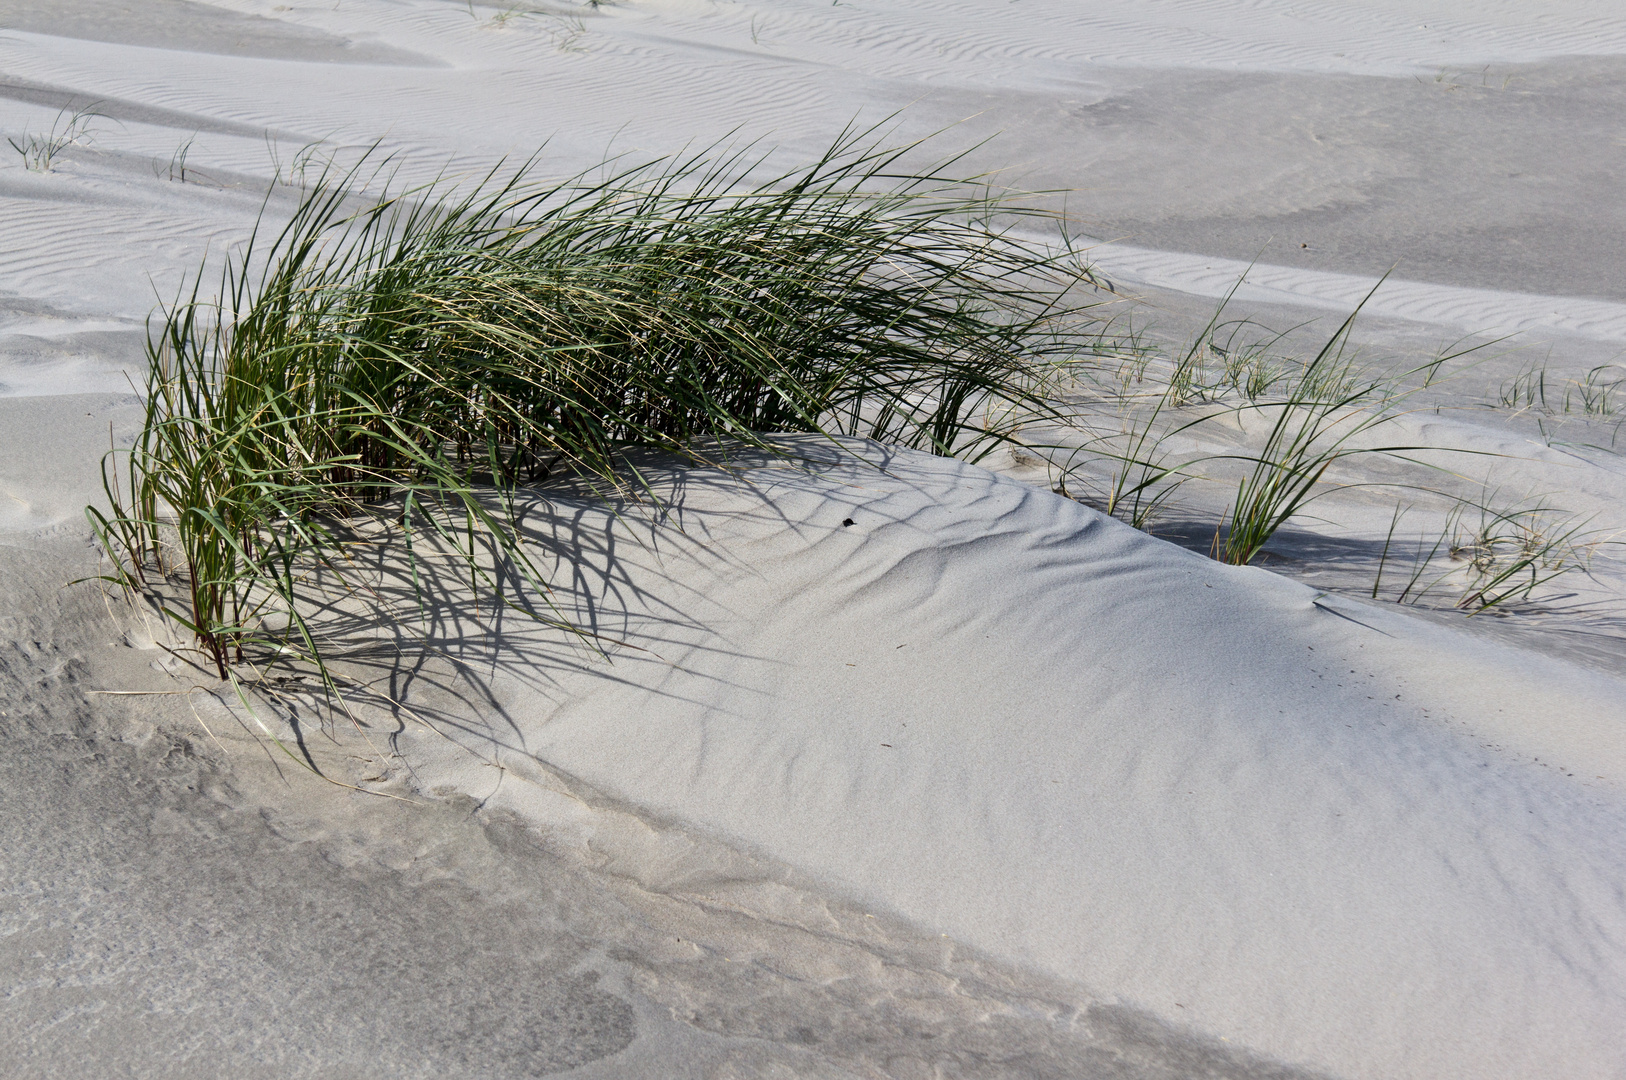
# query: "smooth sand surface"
[[1302, 823], [982, 784]]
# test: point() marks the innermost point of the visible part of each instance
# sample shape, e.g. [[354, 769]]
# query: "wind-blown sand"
[[1303, 823], [982, 784]]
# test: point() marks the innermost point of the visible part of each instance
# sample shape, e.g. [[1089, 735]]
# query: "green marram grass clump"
[[410, 357]]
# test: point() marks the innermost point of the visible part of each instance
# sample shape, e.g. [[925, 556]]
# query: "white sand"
[[1114, 806], [1322, 830], [1471, 311]]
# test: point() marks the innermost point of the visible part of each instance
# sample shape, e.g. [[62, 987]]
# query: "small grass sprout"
[[70, 128], [1229, 359], [1596, 393], [1527, 389], [312, 159], [566, 31], [1328, 408], [1319, 413], [1497, 554], [1313, 428], [1143, 473], [177, 170], [1510, 552]]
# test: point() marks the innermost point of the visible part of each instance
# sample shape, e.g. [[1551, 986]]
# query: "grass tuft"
[[70, 128], [400, 362], [1498, 554]]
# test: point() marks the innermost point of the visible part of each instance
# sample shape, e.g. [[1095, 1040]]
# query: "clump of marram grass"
[[409, 358]]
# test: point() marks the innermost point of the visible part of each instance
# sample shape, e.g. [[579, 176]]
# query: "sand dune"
[[983, 783], [1304, 823]]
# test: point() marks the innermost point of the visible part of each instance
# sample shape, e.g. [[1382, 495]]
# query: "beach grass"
[[1160, 433], [70, 128], [1497, 553], [1318, 412], [409, 356], [398, 361]]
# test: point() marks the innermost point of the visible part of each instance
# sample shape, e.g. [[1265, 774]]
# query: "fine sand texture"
[[1307, 824], [881, 764]]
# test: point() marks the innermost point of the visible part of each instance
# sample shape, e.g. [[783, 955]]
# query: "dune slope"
[[1326, 831]]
